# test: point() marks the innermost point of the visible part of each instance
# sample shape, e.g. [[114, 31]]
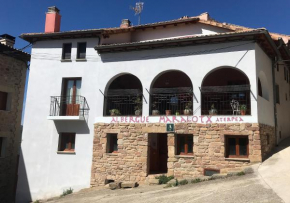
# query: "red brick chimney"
[[125, 23], [52, 21]]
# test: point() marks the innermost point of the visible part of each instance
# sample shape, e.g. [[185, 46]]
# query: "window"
[[210, 172], [237, 146], [66, 51], [260, 93], [67, 142], [81, 52], [3, 100], [112, 143], [184, 145], [277, 95]]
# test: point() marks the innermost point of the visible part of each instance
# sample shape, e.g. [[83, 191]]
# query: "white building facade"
[[101, 115]]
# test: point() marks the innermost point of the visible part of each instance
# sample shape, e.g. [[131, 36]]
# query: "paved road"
[[249, 188], [275, 171]]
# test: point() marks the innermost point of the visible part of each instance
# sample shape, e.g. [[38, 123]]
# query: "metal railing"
[[219, 98], [69, 106], [171, 101]]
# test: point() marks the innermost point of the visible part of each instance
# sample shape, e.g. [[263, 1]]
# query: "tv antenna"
[[138, 10]]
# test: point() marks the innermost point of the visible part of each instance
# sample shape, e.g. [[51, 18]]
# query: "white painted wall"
[[46, 173]]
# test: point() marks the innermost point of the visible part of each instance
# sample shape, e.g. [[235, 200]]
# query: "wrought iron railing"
[[171, 101], [125, 102], [69, 106], [217, 100]]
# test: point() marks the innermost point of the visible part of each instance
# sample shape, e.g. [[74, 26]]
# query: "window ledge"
[[66, 60], [65, 152], [184, 156], [81, 60], [112, 154], [238, 159]]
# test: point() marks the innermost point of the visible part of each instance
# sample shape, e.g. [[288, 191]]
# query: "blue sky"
[[27, 16]]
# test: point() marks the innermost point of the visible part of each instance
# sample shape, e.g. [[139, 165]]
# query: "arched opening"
[[171, 93], [123, 96], [263, 89], [225, 91], [260, 91]]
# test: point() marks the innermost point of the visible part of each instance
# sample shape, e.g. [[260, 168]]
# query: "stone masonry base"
[[131, 161]]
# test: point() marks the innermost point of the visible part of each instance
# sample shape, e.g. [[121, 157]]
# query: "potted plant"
[[115, 112], [168, 112], [212, 110], [177, 113], [243, 109], [138, 107], [155, 111], [187, 110]]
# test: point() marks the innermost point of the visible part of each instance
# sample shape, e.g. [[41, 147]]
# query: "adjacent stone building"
[[13, 66]]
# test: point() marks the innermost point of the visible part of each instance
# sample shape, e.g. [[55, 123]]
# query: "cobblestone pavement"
[[240, 189]]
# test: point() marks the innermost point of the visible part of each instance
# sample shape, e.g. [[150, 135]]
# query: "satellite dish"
[[138, 10]]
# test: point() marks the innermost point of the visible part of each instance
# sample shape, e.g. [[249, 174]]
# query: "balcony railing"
[[171, 101], [125, 102], [218, 100], [69, 106]]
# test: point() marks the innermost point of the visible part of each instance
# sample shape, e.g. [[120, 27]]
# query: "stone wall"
[[268, 140], [130, 163], [12, 80]]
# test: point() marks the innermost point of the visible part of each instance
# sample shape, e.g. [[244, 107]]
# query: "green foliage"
[[138, 103], [188, 105], [36, 201], [115, 112], [163, 179], [241, 173], [243, 107], [67, 192], [183, 182], [195, 180]]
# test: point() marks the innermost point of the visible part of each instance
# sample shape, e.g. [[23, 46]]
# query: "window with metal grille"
[[66, 51], [67, 142], [237, 146], [184, 144], [81, 51], [112, 143]]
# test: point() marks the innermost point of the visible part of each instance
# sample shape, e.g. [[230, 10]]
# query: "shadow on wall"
[[23, 194], [174, 52], [78, 127]]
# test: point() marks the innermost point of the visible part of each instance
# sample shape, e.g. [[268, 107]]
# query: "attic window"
[[66, 51], [81, 52]]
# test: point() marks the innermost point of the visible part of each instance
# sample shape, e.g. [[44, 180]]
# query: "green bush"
[[195, 180], [37, 201], [183, 182], [67, 192], [241, 173], [163, 179]]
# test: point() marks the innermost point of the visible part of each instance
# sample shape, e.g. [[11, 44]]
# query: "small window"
[[3, 100], [210, 172], [268, 138], [81, 52], [2, 146], [67, 142], [184, 144], [237, 147], [112, 143], [66, 51], [260, 93], [277, 95]]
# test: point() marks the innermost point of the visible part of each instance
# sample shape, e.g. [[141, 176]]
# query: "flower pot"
[[138, 112], [177, 113], [155, 112], [187, 112], [243, 112], [212, 112], [168, 112], [113, 114]]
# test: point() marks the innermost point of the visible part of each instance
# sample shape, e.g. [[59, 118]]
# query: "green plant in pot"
[[212, 110], [155, 111], [115, 112], [188, 108], [243, 109], [138, 107]]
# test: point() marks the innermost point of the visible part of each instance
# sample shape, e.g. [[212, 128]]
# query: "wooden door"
[[72, 97], [153, 153], [158, 153]]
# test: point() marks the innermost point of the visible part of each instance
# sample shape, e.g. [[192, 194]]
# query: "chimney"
[[204, 16], [7, 40], [125, 23], [52, 21]]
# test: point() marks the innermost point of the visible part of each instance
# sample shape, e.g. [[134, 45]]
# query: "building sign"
[[176, 119], [169, 127]]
